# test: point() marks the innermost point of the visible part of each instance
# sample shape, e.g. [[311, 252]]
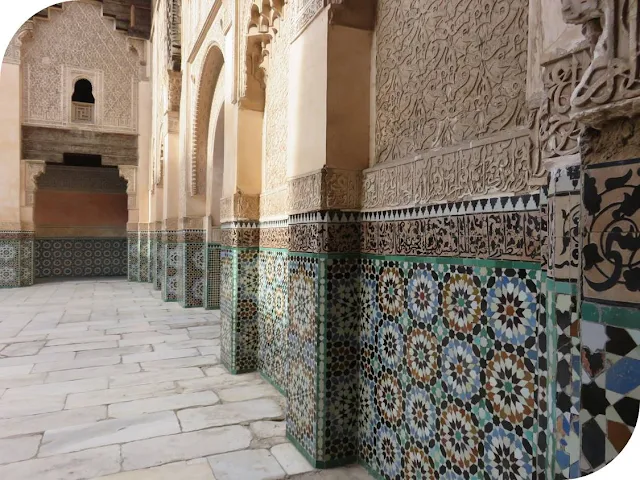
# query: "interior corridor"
[[101, 379]]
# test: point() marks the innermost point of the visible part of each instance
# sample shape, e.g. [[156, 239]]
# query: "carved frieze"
[[130, 174], [493, 166], [610, 86], [239, 207], [175, 90], [12, 55], [32, 170], [558, 131], [81, 179], [274, 203], [326, 189], [463, 78]]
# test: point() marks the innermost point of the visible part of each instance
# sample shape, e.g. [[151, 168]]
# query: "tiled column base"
[[211, 300], [193, 268], [153, 257], [273, 315], [133, 257], [16, 259], [322, 361], [171, 262], [144, 256], [322, 358], [159, 262], [239, 308]]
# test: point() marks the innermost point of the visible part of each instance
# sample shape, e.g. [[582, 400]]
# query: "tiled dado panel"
[[16, 259], [450, 366], [273, 315], [171, 263], [239, 308], [80, 257], [159, 263], [211, 300], [144, 249], [610, 326], [153, 258], [192, 270], [133, 257]]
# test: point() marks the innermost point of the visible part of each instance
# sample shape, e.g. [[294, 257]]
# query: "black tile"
[[593, 443], [620, 342], [627, 408], [593, 399]]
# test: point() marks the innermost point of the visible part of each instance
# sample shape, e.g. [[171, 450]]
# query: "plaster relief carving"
[[472, 170], [613, 76], [12, 55], [130, 174], [304, 12], [79, 36], [448, 72], [326, 189], [264, 24], [274, 203], [33, 169], [558, 132], [174, 90], [239, 206], [210, 73]]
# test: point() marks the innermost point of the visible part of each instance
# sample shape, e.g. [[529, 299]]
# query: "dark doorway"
[[81, 160]]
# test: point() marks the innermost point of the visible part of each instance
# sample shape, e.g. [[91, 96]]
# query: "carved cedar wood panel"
[[447, 72], [79, 37]]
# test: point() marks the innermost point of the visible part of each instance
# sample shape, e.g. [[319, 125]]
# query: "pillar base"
[[192, 268], [16, 259], [211, 300]]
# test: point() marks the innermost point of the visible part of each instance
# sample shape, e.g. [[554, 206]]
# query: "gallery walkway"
[[101, 379]]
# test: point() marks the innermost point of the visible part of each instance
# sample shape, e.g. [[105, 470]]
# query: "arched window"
[[83, 92]]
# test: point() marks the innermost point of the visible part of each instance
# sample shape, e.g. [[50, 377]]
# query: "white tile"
[[109, 352], [74, 364], [122, 394], [195, 361], [80, 347], [75, 386], [291, 459], [108, 432], [246, 465], [159, 404], [18, 449], [268, 429], [151, 340], [10, 408], [74, 466], [249, 392], [15, 381], [93, 372], [173, 471], [22, 349], [48, 421], [155, 377], [229, 413], [184, 446], [159, 355], [52, 357], [83, 339]]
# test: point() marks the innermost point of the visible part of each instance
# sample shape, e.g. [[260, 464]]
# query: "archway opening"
[[217, 168]]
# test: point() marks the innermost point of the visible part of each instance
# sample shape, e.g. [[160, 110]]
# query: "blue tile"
[[624, 375]]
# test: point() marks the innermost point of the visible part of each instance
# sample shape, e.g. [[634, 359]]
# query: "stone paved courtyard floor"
[[101, 379]]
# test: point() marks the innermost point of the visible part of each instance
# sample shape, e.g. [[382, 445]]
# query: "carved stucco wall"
[[276, 107], [79, 41], [448, 72]]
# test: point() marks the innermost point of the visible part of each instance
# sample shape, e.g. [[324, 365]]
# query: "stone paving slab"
[[102, 380]]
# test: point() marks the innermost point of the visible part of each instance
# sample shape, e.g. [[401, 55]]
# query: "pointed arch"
[[211, 68]]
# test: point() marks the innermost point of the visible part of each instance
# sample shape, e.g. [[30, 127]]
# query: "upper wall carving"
[[75, 40], [448, 72], [610, 86]]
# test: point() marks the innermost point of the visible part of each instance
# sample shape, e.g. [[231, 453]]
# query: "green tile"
[[611, 315]]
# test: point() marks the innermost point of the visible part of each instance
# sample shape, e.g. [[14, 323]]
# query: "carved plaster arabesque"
[[479, 168], [326, 189], [239, 206], [13, 53], [174, 91], [263, 25], [437, 97], [130, 174], [33, 169], [105, 49], [558, 132], [274, 203], [610, 86]]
